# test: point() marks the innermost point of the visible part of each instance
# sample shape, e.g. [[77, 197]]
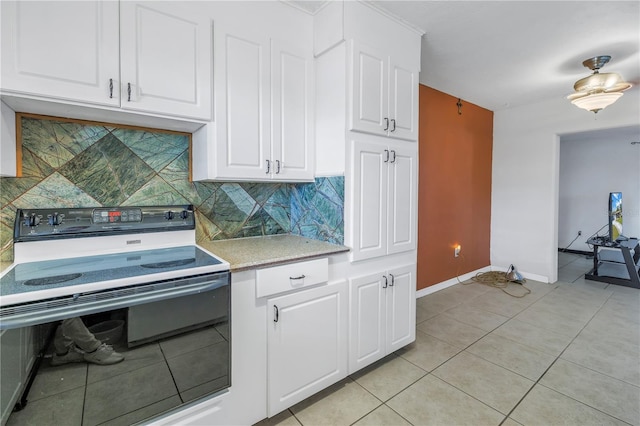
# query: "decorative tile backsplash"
[[72, 164]]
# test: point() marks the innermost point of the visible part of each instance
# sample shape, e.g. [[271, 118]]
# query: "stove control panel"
[[117, 215], [42, 224]]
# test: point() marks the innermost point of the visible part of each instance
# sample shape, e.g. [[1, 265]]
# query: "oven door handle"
[[45, 311]]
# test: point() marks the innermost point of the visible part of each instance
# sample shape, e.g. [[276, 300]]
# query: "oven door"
[[174, 336]]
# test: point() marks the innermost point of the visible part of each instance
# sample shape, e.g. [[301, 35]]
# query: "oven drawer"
[[292, 276]]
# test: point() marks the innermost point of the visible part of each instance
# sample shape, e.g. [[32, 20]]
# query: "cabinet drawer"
[[278, 279]]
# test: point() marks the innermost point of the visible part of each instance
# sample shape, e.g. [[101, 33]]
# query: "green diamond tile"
[[57, 142], [261, 192], [243, 201], [55, 191], [33, 166], [224, 213], [260, 223], [154, 148], [154, 193], [207, 230], [7, 220], [278, 206], [176, 174], [12, 188], [108, 171]]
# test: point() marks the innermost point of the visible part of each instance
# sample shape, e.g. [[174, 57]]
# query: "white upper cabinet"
[[165, 53], [382, 199], [385, 94], [368, 66], [403, 101], [62, 50], [153, 57], [242, 145], [291, 111], [264, 101]]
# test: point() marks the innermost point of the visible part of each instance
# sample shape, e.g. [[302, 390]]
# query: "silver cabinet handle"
[[276, 313], [386, 151], [268, 166], [303, 276], [386, 281], [128, 92], [386, 126], [393, 121], [277, 166], [394, 156], [110, 88], [393, 280]]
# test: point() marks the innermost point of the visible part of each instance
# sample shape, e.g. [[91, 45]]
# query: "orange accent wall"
[[454, 191]]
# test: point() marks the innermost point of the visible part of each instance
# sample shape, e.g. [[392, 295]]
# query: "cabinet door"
[[403, 194], [291, 112], [243, 141], [63, 50], [401, 308], [366, 320], [369, 99], [11, 368], [403, 102], [369, 200], [166, 59], [307, 349]]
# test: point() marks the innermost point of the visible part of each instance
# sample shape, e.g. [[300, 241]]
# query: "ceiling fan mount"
[[597, 62]]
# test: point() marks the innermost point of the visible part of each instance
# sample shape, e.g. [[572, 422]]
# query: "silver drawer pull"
[[298, 278]]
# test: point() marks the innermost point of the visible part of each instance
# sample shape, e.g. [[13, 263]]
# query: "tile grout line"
[[554, 362]]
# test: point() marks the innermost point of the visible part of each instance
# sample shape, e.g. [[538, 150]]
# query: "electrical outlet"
[[456, 251]]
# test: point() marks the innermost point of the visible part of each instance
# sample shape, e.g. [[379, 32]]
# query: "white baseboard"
[[527, 275], [453, 281]]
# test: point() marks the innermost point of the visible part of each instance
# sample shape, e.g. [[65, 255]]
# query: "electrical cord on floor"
[[494, 279], [499, 280]]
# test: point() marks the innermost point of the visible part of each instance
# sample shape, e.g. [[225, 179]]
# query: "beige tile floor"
[[566, 354]]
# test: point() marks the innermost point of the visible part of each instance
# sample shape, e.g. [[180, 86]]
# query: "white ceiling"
[[500, 54]]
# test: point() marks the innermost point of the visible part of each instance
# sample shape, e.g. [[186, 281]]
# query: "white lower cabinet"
[[382, 315], [307, 343], [11, 368], [18, 350]]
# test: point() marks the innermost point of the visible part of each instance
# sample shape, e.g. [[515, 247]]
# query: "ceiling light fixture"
[[599, 90]]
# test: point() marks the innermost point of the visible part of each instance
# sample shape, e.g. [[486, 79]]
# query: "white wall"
[[524, 212], [592, 165]]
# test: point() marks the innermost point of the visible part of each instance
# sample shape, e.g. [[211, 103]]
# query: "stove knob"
[[168, 215], [32, 220], [55, 219], [184, 214]]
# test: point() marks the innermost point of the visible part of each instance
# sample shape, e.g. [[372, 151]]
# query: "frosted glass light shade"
[[596, 101]]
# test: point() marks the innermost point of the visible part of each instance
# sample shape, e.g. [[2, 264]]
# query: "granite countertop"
[[270, 250]]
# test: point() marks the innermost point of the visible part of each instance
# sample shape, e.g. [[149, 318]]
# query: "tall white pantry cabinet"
[[367, 124]]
